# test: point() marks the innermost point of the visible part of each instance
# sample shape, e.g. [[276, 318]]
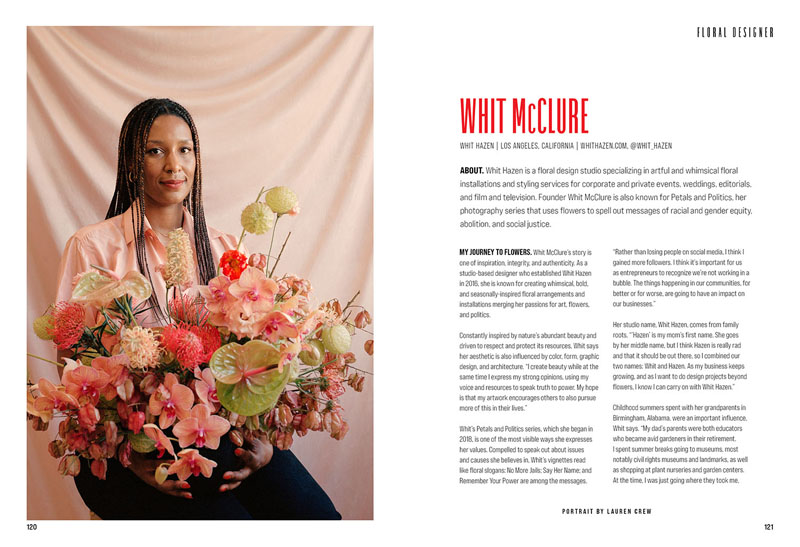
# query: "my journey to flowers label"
[[248, 354]]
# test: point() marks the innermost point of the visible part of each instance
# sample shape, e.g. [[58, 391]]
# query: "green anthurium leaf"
[[99, 289], [247, 398], [141, 443], [234, 363]]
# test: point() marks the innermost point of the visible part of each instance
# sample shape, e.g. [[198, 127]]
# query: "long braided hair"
[[130, 185]]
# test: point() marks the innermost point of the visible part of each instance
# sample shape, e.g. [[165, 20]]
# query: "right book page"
[[600, 233]]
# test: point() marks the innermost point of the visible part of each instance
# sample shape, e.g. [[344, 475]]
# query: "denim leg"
[[285, 490]]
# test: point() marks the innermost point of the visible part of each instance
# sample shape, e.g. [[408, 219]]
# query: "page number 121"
[[768, 527]]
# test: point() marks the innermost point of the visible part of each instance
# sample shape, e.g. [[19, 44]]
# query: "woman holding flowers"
[[159, 189]]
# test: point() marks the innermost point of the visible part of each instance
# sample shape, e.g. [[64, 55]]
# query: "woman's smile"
[[169, 163]]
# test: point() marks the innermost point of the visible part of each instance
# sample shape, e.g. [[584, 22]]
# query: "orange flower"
[[233, 263]]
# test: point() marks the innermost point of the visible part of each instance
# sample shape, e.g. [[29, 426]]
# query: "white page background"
[[648, 77]]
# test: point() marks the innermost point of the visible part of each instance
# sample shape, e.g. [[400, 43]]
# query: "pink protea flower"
[[210, 338], [216, 295], [205, 386], [187, 309], [141, 347], [186, 345], [254, 291], [67, 324], [178, 271], [170, 401], [84, 383], [189, 463], [279, 325], [161, 441], [52, 398], [201, 428]]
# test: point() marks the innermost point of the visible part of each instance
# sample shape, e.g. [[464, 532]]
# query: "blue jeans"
[[281, 490]]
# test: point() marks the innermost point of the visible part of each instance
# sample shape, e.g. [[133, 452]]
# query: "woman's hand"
[[145, 469], [255, 454]]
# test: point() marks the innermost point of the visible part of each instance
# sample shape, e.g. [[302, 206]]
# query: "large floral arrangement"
[[248, 353]]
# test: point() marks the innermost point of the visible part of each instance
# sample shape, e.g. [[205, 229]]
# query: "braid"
[[129, 188]]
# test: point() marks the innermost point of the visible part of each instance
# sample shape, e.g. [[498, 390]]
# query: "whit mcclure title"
[[545, 115]]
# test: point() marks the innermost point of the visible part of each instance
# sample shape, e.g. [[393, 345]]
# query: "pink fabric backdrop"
[[273, 106]]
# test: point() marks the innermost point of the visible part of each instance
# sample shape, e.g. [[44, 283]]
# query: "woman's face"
[[169, 162]]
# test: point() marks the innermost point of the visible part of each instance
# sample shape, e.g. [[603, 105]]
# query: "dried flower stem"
[[361, 370], [351, 301], [271, 241], [280, 253], [45, 360]]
